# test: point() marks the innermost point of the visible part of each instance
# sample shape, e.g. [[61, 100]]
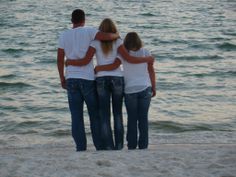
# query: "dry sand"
[[160, 160]]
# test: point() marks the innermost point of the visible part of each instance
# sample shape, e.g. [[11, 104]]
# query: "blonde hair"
[[107, 26], [132, 41]]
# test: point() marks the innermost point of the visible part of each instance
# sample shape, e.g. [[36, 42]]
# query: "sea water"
[[193, 42]]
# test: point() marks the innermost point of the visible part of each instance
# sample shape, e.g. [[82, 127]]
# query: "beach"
[[197, 158], [192, 119]]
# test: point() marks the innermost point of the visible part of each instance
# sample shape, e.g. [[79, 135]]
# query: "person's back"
[[105, 59], [136, 76], [75, 43]]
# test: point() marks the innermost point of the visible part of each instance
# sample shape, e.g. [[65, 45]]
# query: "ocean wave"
[[9, 108], [196, 57], [12, 50], [163, 85], [229, 33], [175, 41], [144, 26], [174, 127], [8, 76], [30, 132], [201, 46], [59, 133], [148, 14], [227, 46], [29, 123], [217, 39], [7, 85], [18, 127], [27, 127], [214, 74], [45, 61]]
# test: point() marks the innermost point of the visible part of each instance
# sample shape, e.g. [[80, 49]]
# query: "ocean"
[[193, 42]]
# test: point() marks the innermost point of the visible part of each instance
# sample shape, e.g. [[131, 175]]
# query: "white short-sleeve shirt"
[[136, 76], [103, 59], [75, 43]]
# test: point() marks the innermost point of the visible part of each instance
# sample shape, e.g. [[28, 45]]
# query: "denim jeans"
[[137, 105], [111, 87], [80, 91]]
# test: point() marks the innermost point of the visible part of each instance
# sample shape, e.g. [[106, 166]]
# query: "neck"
[[76, 25], [135, 49]]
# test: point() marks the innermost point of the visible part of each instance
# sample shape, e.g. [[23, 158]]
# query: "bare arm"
[[152, 78], [60, 66], [135, 60], [108, 67], [84, 61], [101, 36]]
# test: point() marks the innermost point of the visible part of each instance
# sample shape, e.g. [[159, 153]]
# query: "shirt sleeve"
[[119, 42], [92, 32], [93, 44], [120, 57], [147, 53], [61, 42]]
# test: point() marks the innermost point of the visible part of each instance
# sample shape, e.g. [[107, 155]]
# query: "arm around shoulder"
[[108, 67], [84, 61], [134, 60], [101, 36]]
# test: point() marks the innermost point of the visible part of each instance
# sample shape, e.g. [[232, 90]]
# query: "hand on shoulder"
[[151, 60]]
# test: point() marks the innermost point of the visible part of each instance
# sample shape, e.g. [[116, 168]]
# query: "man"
[[79, 81]]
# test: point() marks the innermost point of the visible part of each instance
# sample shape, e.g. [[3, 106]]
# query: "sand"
[[160, 160]]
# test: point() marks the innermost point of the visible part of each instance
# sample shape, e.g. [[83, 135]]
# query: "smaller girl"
[[140, 86]]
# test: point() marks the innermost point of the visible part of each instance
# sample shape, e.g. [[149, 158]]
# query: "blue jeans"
[[137, 105], [111, 87], [80, 91]]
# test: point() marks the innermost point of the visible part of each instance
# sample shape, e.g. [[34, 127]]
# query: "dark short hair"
[[77, 16]]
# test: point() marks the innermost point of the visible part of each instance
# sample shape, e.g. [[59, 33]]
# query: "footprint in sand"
[[105, 163]]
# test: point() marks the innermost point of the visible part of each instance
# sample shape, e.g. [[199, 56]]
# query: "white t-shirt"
[[103, 59], [75, 43], [136, 76]]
